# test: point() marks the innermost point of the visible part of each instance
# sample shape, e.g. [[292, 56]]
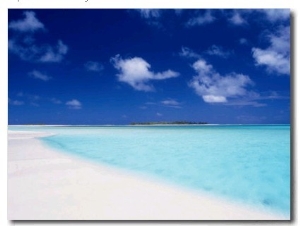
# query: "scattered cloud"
[[276, 58], [25, 46], [38, 53], [151, 16], [171, 103], [25, 97], [245, 103], [164, 103], [202, 19], [93, 66], [188, 53], [243, 41], [213, 87], [159, 114], [214, 50], [74, 104], [15, 102], [149, 13], [218, 51], [38, 75], [274, 15], [237, 19], [29, 24], [136, 72], [54, 54]]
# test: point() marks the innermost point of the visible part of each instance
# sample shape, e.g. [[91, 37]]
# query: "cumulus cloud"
[[213, 87], [276, 58], [38, 75], [136, 72], [93, 66], [29, 24], [24, 45], [74, 104], [204, 18], [218, 51]]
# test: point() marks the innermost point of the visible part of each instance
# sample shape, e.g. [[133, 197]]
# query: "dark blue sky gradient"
[[62, 90]]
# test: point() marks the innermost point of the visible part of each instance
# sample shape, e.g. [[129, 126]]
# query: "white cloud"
[[171, 103], [39, 75], [237, 19], [213, 87], [214, 99], [29, 24], [38, 53], [93, 66], [202, 19], [54, 54], [74, 104], [277, 14], [273, 60], [25, 46], [151, 16], [149, 13], [186, 52], [276, 58], [243, 41], [135, 72], [218, 51], [159, 114]]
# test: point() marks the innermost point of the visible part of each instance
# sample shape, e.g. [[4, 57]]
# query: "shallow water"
[[249, 164]]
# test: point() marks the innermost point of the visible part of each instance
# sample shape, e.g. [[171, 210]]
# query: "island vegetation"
[[168, 123]]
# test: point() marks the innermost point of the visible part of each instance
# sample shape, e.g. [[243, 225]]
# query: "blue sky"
[[122, 66]]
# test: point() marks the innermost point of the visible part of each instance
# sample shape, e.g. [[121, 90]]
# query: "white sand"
[[44, 184]]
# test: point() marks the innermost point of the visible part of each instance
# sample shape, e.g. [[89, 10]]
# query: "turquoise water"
[[249, 164]]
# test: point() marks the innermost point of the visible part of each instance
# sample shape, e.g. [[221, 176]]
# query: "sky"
[[118, 66]]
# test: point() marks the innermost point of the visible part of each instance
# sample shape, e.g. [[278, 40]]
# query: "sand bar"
[[44, 184]]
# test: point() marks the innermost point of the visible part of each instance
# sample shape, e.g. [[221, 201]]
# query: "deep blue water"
[[249, 164]]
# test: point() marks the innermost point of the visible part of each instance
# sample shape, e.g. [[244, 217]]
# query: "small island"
[[168, 123]]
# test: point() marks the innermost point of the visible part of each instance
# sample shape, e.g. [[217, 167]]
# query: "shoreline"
[[44, 184], [121, 125]]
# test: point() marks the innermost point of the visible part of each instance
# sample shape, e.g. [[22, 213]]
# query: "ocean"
[[249, 164]]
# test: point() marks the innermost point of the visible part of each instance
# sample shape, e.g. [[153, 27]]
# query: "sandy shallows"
[[44, 184]]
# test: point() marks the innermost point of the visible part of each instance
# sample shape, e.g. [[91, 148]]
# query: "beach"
[[44, 184]]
